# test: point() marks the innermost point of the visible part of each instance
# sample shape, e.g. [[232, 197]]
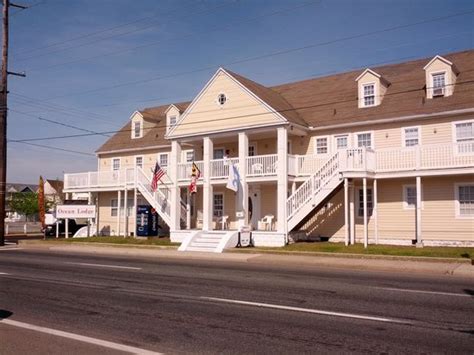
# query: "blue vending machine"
[[147, 221]]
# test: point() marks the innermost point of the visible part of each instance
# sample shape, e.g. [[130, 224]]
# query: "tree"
[[25, 203]]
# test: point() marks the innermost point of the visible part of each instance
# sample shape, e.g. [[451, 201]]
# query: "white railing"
[[99, 179], [292, 165], [220, 167], [311, 187], [437, 156], [308, 164], [262, 165], [185, 170], [158, 199]]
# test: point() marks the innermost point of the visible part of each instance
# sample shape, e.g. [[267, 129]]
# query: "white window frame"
[[432, 74], [455, 138], [360, 201], [167, 159], [113, 208], [374, 84], [348, 138], [143, 160], [372, 139], [119, 164], [213, 204], [140, 131], [406, 206], [170, 126], [219, 148], [254, 146], [316, 145], [404, 139], [457, 205], [226, 99]]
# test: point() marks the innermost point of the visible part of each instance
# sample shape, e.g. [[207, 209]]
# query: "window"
[[221, 99], [218, 153], [116, 164], [439, 82], [137, 127], [252, 150], [139, 162], [369, 95], [464, 132], [321, 145], [172, 122], [114, 207], [218, 205], [465, 200], [409, 196], [411, 136], [190, 156], [341, 142], [360, 203], [163, 160], [364, 140]]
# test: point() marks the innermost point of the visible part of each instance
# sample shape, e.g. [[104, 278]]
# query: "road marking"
[[85, 339], [309, 310], [422, 291], [103, 265], [9, 248], [4, 273]]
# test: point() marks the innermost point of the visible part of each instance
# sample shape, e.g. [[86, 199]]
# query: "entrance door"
[[254, 206]]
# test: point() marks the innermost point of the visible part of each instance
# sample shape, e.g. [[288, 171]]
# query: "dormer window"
[[439, 83], [369, 95], [137, 129], [172, 121]]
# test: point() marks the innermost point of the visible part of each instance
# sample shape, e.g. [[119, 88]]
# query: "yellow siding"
[[240, 110]]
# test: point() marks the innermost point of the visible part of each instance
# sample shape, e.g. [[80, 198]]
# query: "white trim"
[[336, 136], [328, 146], [184, 153], [223, 204], [254, 145], [404, 197], [356, 139], [167, 160], [457, 209], [170, 107], [453, 127], [143, 160], [431, 84], [140, 133], [112, 163], [358, 201], [204, 89], [362, 95], [444, 60], [223, 148], [368, 70], [404, 145], [216, 100], [125, 150], [394, 119]]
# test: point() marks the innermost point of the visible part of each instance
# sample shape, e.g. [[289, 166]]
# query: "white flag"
[[234, 178]]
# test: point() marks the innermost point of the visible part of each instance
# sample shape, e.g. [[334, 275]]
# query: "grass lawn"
[[120, 240], [441, 252]]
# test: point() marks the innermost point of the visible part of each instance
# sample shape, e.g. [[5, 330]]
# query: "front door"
[[254, 207]]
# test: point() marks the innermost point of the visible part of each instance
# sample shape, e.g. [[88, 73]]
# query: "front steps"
[[209, 241]]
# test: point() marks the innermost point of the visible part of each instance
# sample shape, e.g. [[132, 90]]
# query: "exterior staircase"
[[313, 191], [209, 241]]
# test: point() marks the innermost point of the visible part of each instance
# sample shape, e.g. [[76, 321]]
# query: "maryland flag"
[[41, 206], [195, 175]]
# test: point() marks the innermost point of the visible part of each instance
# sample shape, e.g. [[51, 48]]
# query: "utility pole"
[[3, 117]]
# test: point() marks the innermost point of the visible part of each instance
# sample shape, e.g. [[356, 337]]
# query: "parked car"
[[73, 227]]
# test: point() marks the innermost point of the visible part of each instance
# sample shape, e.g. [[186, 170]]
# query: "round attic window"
[[221, 99]]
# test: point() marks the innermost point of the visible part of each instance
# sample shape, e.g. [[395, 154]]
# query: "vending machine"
[[147, 221]]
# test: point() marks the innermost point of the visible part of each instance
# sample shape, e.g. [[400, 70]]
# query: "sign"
[[245, 238], [75, 211]]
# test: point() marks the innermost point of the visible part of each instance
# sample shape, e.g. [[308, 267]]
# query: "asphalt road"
[[215, 307]]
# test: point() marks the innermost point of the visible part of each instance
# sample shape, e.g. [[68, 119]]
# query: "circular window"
[[221, 99]]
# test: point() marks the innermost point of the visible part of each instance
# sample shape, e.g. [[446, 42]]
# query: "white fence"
[[262, 165]]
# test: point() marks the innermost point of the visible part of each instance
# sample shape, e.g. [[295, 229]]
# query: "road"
[[217, 307]]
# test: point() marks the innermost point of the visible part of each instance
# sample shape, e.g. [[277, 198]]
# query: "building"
[[381, 155], [11, 190]]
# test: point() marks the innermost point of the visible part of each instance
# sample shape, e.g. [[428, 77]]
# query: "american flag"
[[157, 175]]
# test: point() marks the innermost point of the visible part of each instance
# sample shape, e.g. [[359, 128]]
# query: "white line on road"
[[309, 310], [4, 273], [103, 265], [85, 339], [422, 291], [9, 248]]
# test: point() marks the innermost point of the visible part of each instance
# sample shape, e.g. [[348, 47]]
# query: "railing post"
[[418, 158], [88, 178]]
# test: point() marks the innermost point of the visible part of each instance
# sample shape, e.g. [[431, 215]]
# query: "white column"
[[175, 198], [242, 199], [419, 241], [366, 229], [66, 221], [97, 213], [188, 210], [346, 210], [125, 214], [282, 179], [89, 202], [207, 187], [375, 213], [119, 205], [293, 187], [352, 192], [135, 201]]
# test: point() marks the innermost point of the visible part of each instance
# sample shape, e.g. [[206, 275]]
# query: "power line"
[[268, 55], [193, 34], [240, 116], [54, 148]]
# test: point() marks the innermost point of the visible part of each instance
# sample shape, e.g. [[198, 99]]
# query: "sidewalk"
[[423, 265]]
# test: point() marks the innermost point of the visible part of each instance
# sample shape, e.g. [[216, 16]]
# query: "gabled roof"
[[56, 184], [16, 187]]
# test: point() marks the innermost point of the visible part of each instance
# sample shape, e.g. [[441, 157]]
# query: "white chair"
[[257, 168], [199, 220], [272, 169], [266, 222], [224, 222]]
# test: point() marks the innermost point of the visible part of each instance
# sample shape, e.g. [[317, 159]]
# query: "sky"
[[92, 63]]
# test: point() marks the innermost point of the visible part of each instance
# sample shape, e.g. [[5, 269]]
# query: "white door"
[[254, 206]]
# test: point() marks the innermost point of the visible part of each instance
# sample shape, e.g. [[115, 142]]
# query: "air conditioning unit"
[[438, 92]]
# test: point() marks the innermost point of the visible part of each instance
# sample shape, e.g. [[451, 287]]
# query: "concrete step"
[[207, 250], [204, 245], [207, 241]]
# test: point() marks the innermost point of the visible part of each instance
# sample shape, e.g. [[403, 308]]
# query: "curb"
[[52, 244]]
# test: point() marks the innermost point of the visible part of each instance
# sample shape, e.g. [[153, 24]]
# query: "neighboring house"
[[11, 190], [381, 155], [53, 191]]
